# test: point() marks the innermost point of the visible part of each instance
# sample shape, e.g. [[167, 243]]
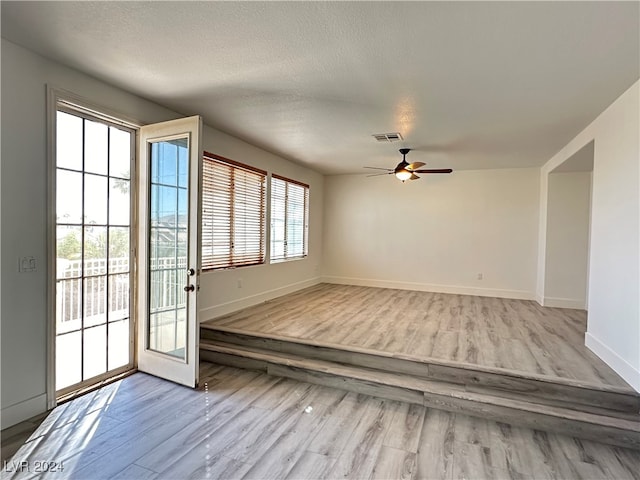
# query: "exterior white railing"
[[166, 284]]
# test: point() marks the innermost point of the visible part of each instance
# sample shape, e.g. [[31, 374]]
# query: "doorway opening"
[[568, 226], [124, 242]]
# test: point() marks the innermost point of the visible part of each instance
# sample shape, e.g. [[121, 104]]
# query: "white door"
[[169, 243]]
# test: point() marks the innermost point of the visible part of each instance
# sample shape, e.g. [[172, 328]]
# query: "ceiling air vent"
[[388, 137]]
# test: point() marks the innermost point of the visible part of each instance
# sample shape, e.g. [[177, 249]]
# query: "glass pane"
[[68, 197], [68, 359], [278, 199], [68, 141], [119, 297], [119, 201], [163, 247], [181, 295], [119, 248], [294, 236], [95, 147], [183, 242], [167, 299], [95, 348], [119, 337], [95, 251], [68, 305], [181, 329], [162, 333], [183, 208], [277, 250], [95, 200], [95, 300], [183, 167], [68, 251], [163, 288], [164, 206], [119, 153], [277, 239], [164, 162]]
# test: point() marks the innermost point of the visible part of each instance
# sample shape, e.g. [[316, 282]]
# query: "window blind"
[[289, 219], [233, 213]]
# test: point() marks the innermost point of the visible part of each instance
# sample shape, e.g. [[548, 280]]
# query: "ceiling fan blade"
[[413, 176], [378, 168], [378, 174], [414, 165], [434, 170]]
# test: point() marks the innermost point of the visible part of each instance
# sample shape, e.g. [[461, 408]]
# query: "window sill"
[[285, 260]]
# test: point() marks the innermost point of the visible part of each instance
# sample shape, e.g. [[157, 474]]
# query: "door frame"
[[56, 98]]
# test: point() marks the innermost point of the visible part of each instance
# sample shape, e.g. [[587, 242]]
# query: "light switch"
[[27, 264]]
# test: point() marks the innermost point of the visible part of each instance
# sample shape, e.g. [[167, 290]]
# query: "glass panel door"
[[169, 240], [93, 250]]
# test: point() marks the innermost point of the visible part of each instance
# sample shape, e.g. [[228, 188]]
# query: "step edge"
[[471, 396], [430, 361]]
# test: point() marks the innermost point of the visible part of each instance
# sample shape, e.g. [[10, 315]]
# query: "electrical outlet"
[[480, 276]]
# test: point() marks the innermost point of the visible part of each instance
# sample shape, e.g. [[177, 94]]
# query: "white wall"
[[569, 199], [436, 234], [24, 216], [613, 329]]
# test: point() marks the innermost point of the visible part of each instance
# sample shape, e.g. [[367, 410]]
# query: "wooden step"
[[442, 395], [573, 394]]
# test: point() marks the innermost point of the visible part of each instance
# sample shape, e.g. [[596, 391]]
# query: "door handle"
[[189, 288]]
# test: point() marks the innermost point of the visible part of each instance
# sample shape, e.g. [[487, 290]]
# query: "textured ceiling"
[[468, 84]]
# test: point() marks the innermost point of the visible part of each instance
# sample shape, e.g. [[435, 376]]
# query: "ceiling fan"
[[407, 171]]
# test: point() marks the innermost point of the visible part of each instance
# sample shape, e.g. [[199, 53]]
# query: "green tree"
[[69, 247], [118, 243], [121, 184]]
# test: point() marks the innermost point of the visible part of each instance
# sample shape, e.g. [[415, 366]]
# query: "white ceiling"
[[469, 85]]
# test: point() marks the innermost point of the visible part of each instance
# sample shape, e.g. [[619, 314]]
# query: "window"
[[289, 219], [233, 213]]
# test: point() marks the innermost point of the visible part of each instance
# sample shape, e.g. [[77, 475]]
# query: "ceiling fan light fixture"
[[401, 171], [403, 174], [407, 171]]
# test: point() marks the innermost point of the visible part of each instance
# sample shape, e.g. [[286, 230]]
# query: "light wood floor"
[[244, 424], [515, 335]]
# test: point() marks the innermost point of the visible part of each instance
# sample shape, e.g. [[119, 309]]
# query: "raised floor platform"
[[452, 352]]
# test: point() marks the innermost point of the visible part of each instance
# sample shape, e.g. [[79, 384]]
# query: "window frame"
[[234, 262], [305, 227], [63, 100]]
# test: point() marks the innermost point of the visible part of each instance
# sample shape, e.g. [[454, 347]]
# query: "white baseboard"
[[623, 368], [564, 303], [235, 305], [23, 411], [426, 287]]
